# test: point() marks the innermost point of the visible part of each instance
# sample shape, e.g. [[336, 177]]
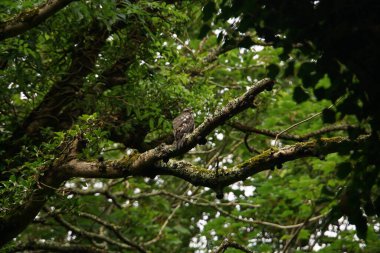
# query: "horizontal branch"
[[196, 175], [188, 199], [54, 247], [267, 160], [31, 18], [230, 244], [266, 223], [285, 136]]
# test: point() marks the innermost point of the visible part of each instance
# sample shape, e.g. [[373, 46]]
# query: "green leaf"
[[328, 116], [326, 190], [273, 70], [209, 10], [245, 24], [289, 70], [247, 42], [320, 93], [204, 30], [343, 170], [299, 95], [361, 226], [308, 75]]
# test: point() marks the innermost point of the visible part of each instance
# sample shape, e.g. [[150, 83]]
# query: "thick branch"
[[200, 176], [234, 107], [31, 18], [267, 160], [12, 225]]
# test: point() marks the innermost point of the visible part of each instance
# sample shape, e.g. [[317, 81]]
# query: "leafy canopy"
[[89, 90]]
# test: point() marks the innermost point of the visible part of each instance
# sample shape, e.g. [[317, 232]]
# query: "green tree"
[[283, 158]]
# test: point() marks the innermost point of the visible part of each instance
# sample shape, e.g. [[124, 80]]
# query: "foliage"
[[100, 82]]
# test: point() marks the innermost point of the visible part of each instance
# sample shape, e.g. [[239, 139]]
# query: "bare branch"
[[114, 228], [304, 120], [296, 233], [160, 232], [293, 137], [327, 129], [193, 200], [266, 223], [92, 235]]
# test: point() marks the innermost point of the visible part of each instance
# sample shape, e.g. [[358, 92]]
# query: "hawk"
[[183, 124]]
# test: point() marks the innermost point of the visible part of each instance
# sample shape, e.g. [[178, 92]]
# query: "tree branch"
[[55, 247], [266, 223], [191, 199], [61, 93], [92, 235], [234, 107], [61, 100], [230, 244], [114, 228], [31, 18], [12, 225], [160, 232], [269, 159], [292, 137]]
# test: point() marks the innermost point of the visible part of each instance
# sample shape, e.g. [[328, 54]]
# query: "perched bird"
[[183, 124]]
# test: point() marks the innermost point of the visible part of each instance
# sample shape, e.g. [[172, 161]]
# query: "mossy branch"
[[31, 18]]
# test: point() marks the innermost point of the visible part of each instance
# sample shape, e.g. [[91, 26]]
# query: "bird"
[[183, 124]]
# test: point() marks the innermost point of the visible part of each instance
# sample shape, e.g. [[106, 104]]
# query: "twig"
[[160, 232], [230, 244], [90, 235], [303, 121], [203, 202], [38, 246], [295, 235], [185, 46], [114, 228], [265, 223], [293, 137]]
